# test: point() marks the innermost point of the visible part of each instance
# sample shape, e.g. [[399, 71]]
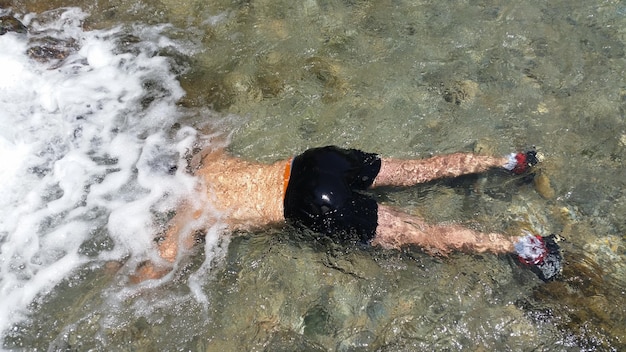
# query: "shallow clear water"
[[94, 146]]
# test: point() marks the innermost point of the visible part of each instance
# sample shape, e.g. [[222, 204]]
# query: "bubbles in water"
[[88, 152]]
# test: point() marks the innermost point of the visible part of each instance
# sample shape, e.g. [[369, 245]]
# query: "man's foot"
[[541, 254], [520, 163]]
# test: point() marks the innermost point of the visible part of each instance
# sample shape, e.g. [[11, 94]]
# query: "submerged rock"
[[11, 24], [49, 49], [544, 187], [44, 49], [460, 91]]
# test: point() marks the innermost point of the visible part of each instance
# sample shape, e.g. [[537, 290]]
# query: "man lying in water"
[[322, 190]]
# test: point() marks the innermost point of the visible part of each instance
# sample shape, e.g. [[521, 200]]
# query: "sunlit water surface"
[[100, 105]]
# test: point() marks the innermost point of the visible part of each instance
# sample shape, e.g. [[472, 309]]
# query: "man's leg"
[[396, 229], [400, 172]]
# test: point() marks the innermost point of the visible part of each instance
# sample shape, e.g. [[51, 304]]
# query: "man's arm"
[[182, 230]]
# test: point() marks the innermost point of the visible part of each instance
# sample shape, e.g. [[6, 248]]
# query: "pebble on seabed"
[[543, 186]]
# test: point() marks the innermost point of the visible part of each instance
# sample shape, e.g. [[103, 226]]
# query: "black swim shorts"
[[324, 193]]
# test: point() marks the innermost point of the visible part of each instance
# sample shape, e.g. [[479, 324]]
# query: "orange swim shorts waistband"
[[286, 176]]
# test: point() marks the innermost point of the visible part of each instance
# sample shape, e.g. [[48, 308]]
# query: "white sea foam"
[[84, 144]]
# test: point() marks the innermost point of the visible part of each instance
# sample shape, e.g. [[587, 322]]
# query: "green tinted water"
[[405, 79]]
